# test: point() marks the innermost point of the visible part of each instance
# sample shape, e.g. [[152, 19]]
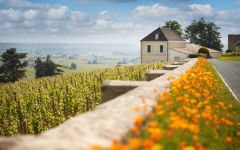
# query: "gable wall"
[[155, 54]]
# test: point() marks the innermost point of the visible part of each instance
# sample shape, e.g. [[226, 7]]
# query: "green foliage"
[[30, 107], [228, 51], [229, 58], [204, 50], [197, 55], [231, 54], [46, 68], [204, 33], [173, 25], [12, 68]]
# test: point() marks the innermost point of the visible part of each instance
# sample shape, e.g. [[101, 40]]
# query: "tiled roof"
[[164, 34], [192, 48], [237, 43]]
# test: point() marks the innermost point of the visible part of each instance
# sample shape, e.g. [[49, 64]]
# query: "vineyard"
[[30, 107]]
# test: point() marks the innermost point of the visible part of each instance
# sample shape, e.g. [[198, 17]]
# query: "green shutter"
[[149, 48], [161, 48]]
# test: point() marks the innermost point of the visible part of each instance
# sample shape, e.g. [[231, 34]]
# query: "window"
[[161, 48], [156, 36], [149, 48]]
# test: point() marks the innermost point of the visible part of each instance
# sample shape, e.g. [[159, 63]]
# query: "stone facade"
[[154, 55], [234, 42]]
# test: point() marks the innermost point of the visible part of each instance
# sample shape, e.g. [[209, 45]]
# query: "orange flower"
[[135, 130], [136, 109], [170, 77], [135, 143], [155, 133], [157, 147], [189, 148], [152, 124], [238, 133], [148, 144], [138, 121], [96, 147], [195, 137], [228, 139]]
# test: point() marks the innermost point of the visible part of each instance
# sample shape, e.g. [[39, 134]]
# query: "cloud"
[[60, 12], [11, 14], [201, 10], [31, 14], [162, 12]]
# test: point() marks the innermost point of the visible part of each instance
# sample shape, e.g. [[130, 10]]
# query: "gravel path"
[[230, 72]]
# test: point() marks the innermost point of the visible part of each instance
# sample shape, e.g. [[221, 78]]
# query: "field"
[[198, 113], [230, 58], [34, 106], [30, 73], [233, 56]]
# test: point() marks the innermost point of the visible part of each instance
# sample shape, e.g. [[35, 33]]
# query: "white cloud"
[[31, 14], [62, 12], [78, 17], [162, 12], [11, 14], [151, 11], [201, 10], [104, 19]]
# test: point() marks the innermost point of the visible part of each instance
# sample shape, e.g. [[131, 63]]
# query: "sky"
[[107, 21]]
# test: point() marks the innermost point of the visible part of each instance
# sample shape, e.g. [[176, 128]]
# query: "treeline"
[[13, 66]]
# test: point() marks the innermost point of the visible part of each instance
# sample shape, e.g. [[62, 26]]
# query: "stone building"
[[234, 42], [165, 45]]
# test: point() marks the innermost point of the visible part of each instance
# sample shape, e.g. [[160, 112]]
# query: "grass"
[[230, 58], [30, 73], [198, 112]]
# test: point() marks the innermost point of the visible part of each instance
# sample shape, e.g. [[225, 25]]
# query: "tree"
[[39, 68], [73, 66], [12, 66], [46, 68], [173, 25], [204, 33]]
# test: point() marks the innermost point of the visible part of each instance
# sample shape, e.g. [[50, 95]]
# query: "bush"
[[204, 50], [197, 55], [228, 51], [231, 54]]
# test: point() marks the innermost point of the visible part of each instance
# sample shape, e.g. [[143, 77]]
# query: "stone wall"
[[111, 120], [155, 54]]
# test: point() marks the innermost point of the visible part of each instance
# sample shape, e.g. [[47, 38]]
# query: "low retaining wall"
[[111, 120]]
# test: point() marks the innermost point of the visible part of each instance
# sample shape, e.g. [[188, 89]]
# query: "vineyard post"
[[87, 101], [21, 123]]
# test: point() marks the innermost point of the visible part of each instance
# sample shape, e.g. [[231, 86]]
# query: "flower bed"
[[197, 113]]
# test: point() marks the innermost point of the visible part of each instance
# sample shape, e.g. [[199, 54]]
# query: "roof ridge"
[[165, 34]]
